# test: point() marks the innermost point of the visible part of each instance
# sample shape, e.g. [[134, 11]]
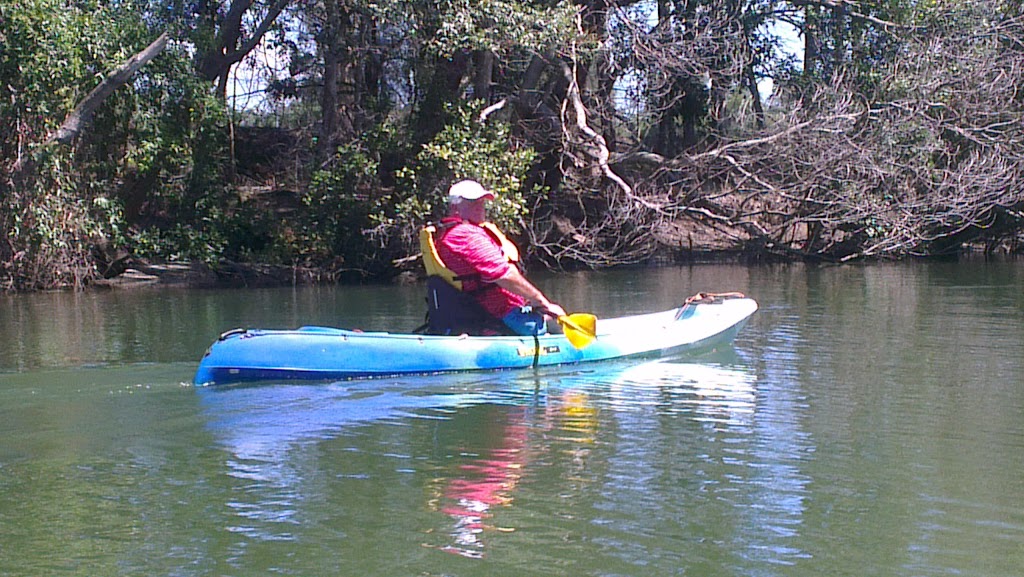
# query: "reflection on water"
[[749, 454], [267, 422], [484, 483], [506, 429], [475, 490], [268, 430], [713, 394]]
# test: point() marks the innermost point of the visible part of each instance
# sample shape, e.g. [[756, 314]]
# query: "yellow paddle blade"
[[580, 328]]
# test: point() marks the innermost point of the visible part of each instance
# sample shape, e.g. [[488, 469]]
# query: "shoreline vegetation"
[[229, 275], [285, 142]]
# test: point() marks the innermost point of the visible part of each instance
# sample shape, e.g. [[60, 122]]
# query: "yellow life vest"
[[435, 266], [508, 248]]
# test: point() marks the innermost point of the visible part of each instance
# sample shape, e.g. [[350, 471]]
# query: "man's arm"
[[514, 281]]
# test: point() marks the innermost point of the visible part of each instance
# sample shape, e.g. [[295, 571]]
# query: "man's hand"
[[517, 283], [553, 310]]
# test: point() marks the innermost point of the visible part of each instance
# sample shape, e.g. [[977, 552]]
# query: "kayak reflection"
[[263, 421], [477, 442]]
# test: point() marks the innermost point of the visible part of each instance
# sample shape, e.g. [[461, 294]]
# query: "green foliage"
[[464, 149], [503, 26], [182, 243], [337, 206], [178, 148], [147, 172], [52, 54], [155, 172], [326, 229]]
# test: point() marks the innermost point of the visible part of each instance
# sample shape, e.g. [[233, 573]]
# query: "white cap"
[[468, 189]]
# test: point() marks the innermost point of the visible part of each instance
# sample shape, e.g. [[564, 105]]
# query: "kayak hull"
[[325, 353]]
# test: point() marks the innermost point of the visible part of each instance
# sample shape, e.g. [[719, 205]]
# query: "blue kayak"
[[326, 353]]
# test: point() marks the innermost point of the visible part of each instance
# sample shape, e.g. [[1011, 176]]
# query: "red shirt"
[[468, 250]]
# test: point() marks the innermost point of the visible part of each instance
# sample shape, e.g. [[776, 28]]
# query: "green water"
[[868, 421]]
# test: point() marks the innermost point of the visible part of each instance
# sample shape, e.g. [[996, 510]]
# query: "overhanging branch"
[[80, 117]]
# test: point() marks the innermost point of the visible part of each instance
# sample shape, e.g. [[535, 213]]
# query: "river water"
[[868, 421]]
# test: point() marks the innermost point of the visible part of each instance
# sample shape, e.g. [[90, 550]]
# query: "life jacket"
[[432, 261], [450, 309]]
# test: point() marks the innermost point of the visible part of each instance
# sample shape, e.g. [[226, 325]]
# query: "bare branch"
[[76, 121]]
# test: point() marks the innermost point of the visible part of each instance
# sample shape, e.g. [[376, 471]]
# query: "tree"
[[913, 155], [220, 34], [82, 114], [50, 57], [88, 159], [616, 130]]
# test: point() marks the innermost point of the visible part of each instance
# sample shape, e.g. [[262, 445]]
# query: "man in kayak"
[[473, 249]]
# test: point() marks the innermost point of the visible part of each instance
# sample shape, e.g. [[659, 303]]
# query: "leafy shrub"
[[463, 149]]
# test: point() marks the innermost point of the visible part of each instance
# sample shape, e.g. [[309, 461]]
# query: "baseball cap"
[[469, 189]]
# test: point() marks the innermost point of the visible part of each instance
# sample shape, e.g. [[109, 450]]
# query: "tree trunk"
[[755, 95], [330, 41], [226, 51], [483, 60], [77, 120], [440, 79], [810, 31], [839, 39]]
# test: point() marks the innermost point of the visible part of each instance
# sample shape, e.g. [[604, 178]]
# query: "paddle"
[[580, 328]]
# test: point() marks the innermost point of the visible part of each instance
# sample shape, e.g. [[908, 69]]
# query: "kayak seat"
[[453, 312]]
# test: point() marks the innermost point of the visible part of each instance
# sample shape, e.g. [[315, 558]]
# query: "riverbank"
[[201, 275], [228, 274]]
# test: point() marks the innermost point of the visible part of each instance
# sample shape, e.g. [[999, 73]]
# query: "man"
[[476, 255]]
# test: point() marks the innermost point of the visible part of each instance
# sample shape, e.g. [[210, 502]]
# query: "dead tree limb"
[[78, 118], [594, 142]]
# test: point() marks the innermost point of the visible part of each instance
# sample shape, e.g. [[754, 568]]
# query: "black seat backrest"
[[453, 312]]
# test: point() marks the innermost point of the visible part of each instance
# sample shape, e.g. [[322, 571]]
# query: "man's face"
[[475, 211]]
